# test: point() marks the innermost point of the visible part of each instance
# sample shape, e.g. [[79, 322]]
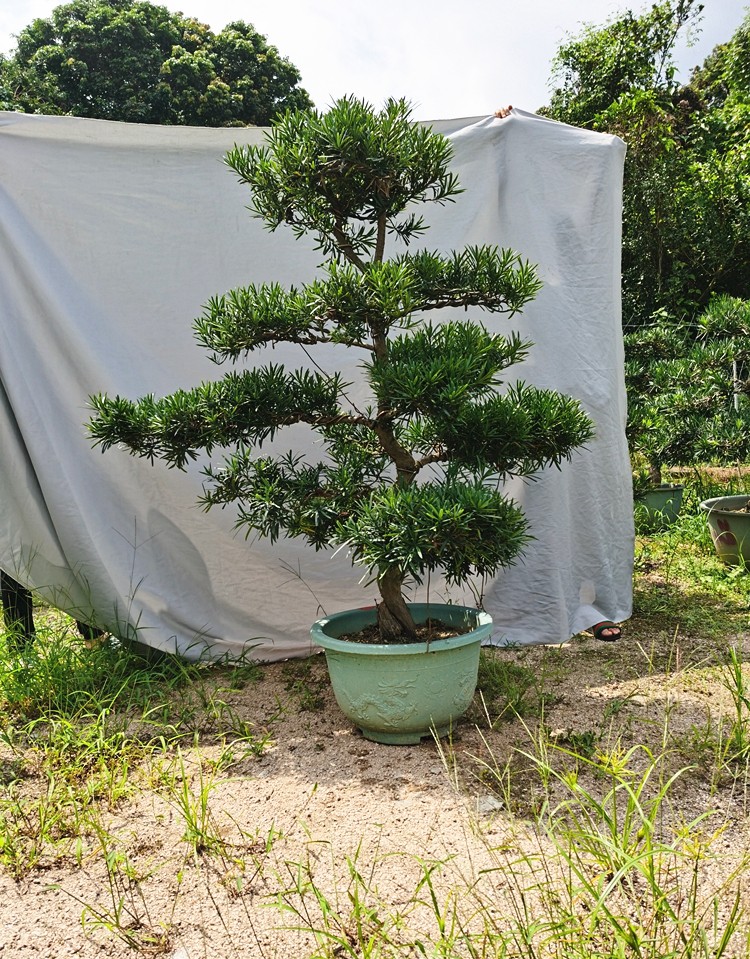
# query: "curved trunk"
[[394, 618], [654, 473]]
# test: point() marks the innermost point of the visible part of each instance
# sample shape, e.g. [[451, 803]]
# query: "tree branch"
[[442, 457], [345, 245], [406, 466], [380, 242]]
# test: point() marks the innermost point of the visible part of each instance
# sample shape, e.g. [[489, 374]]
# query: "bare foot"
[[607, 632], [503, 112]]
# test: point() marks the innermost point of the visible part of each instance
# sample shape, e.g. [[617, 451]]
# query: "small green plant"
[[737, 742], [352, 921], [508, 689], [642, 483], [191, 797], [127, 915], [29, 828], [306, 685], [582, 743]]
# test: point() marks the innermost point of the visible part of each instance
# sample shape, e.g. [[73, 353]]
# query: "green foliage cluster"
[[627, 54], [410, 483], [686, 224], [133, 60], [689, 388], [686, 232]]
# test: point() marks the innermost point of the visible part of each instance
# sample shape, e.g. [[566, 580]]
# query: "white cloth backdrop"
[[113, 236]]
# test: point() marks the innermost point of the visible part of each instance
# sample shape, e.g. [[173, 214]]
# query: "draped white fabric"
[[113, 236]]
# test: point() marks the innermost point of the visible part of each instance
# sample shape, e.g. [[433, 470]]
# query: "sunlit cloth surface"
[[113, 236]]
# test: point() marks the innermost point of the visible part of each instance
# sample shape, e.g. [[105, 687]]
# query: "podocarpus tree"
[[411, 483], [688, 388]]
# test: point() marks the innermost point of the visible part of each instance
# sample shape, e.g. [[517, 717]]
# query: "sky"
[[450, 58]]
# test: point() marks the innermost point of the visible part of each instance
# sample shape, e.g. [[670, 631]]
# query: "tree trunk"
[[654, 473], [394, 618]]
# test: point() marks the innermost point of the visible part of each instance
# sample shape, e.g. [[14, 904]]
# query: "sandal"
[[598, 629]]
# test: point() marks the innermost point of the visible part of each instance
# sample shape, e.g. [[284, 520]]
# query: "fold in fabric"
[[114, 235]]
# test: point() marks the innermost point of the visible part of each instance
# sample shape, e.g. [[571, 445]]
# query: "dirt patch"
[[209, 853]]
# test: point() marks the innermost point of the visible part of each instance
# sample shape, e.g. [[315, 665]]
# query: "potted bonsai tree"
[[410, 482], [652, 446], [687, 389]]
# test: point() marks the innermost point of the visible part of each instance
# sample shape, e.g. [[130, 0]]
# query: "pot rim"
[[730, 505], [479, 632], [661, 488]]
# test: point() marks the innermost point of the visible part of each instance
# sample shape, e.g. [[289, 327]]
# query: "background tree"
[[724, 76], [720, 151], [689, 388], [627, 54], [132, 60], [686, 226]]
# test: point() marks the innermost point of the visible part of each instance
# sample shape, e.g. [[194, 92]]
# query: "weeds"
[[737, 744], [508, 689], [605, 869], [189, 792], [61, 676], [344, 922], [721, 743], [126, 914], [306, 684], [84, 729], [586, 848]]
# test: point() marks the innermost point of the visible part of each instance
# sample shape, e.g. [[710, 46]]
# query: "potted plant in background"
[[411, 481], [647, 350], [724, 334], [658, 503], [688, 403]]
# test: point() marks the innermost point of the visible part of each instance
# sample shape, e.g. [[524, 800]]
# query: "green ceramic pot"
[[730, 528], [400, 693], [662, 503]]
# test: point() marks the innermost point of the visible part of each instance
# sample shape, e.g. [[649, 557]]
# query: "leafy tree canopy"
[[688, 388], [686, 196], [627, 54], [725, 74], [136, 61]]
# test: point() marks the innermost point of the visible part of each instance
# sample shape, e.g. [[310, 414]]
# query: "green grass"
[[679, 580], [85, 728], [599, 855]]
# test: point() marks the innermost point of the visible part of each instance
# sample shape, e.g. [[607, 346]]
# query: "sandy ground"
[[325, 810]]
